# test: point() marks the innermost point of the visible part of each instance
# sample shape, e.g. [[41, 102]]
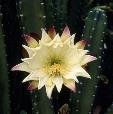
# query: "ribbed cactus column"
[[56, 13], [41, 104], [93, 33], [4, 97], [32, 19], [31, 15]]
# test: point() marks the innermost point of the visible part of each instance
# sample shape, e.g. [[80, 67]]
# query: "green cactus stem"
[[4, 97], [33, 18], [95, 25], [57, 15], [31, 14], [41, 103]]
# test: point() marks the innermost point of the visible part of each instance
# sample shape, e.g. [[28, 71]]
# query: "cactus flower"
[[54, 60]]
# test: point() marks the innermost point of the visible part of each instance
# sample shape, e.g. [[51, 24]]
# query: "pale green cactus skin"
[[93, 33], [4, 87]]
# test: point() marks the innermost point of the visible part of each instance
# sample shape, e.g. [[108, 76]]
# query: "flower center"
[[54, 61], [55, 69]]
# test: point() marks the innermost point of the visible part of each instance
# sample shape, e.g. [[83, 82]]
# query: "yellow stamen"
[[55, 69]]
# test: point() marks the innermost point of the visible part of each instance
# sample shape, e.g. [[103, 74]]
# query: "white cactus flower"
[[54, 60]]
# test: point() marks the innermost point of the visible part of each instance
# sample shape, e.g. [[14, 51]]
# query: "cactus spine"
[[94, 29], [4, 97]]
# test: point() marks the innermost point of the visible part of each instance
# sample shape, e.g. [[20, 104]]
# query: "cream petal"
[[70, 84], [56, 42], [58, 52], [24, 66], [33, 62], [31, 41], [70, 41], [39, 75], [86, 59], [43, 78], [29, 50], [66, 34], [39, 58], [45, 38], [80, 45], [32, 76], [57, 39], [58, 81], [71, 75], [76, 55], [79, 71], [49, 90]]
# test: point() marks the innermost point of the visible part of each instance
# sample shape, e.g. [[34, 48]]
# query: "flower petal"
[[66, 34], [52, 32], [76, 55], [49, 90], [71, 75], [79, 71], [70, 40], [86, 59], [31, 41], [29, 50], [70, 84], [39, 58], [32, 76], [43, 78], [81, 44], [56, 41], [45, 38], [58, 81], [22, 67]]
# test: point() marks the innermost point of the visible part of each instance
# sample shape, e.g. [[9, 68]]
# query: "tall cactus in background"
[[4, 97], [31, 14], [56, 13], [94, 29], [33, 18]]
